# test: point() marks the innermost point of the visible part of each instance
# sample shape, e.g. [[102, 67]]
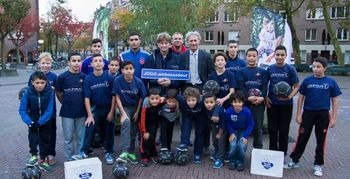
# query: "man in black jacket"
[[197, 61]]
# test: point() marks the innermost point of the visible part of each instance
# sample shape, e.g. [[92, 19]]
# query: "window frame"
[[315, 14], [208, 36], [342, 34], [310, 39]]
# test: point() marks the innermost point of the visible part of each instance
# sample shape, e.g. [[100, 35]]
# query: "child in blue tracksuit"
[[98, 93], [36, 109], [239, 125], [217, 125], [192, 108], [316, 93], [45, 64]]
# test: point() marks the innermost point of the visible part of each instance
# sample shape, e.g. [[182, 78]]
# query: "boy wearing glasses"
[[96, 48]]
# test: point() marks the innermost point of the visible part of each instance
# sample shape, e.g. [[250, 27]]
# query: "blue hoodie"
[[37, 106], [239, 123]]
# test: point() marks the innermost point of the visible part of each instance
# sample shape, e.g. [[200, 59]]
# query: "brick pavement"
[[15, 151]]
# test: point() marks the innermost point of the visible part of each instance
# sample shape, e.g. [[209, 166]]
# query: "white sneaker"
[[291, 165], [318, 170]]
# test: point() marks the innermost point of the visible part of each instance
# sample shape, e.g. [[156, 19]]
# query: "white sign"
[[267, 162], [90, 168]]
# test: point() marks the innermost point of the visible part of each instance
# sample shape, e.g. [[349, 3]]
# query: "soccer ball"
[[211, 86], [120, 171], [254, 92], [181, 158], [31, 172], [282, 89], [165, 157]]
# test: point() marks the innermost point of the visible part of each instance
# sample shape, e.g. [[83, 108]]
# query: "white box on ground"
[[267, 162], [90, 168]]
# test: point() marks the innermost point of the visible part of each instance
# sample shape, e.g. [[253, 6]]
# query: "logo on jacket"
[[257, 74], [142, 61], [233, 117]]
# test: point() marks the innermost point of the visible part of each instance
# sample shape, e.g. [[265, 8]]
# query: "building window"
[[347, 57], [230, 17], [342, 34], [315, 13], [303, 56], [232, 35], [339, 12], [310, 35], [214, 17], [209, 37], [283, 13]]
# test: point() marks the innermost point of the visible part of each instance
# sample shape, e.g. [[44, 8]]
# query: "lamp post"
[[116, 28], [69, 37], [40, 43]]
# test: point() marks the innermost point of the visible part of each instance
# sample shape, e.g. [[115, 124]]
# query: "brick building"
[[29, 51], [309, 23]]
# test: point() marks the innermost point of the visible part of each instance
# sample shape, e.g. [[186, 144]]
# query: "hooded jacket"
[[37, 106]]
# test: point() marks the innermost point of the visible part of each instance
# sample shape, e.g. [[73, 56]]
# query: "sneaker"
[[213, 156], [80, 156], [218, 164], [109, 159], [164, 149], [43, 165], [144, 162], [51, 160], [291, 165], [182, 148], [318, 170], [123, 157], [240, 167], [32, 161], [132, 158], [206, 151], [197, 159], [232, 166], [155, 159]]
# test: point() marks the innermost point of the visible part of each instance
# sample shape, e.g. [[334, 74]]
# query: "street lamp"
[[40, 42], [69, 37], [116, 28]]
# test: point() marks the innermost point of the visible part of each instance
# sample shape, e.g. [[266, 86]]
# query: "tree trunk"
[[18, 55], [330, 28], [2, 44], [56, 48], [295, 39]]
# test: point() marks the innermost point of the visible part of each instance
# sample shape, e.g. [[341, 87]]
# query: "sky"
[[82, 9]]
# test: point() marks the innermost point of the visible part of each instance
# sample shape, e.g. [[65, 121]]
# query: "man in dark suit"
[[200, 65], [198, 61]]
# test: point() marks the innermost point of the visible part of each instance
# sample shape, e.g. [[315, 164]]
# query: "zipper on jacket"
[[39, 100]]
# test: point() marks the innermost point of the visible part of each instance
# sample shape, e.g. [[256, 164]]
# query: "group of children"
[[90, 101]]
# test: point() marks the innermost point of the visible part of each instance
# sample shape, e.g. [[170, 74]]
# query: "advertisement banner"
[[101, 26], [270, 30]]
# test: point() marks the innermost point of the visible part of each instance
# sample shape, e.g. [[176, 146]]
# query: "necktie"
[[194, 69]]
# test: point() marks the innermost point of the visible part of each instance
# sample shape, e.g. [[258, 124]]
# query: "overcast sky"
[[83, 9]]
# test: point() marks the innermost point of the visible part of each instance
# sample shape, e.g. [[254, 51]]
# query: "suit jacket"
[[205, 64]]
